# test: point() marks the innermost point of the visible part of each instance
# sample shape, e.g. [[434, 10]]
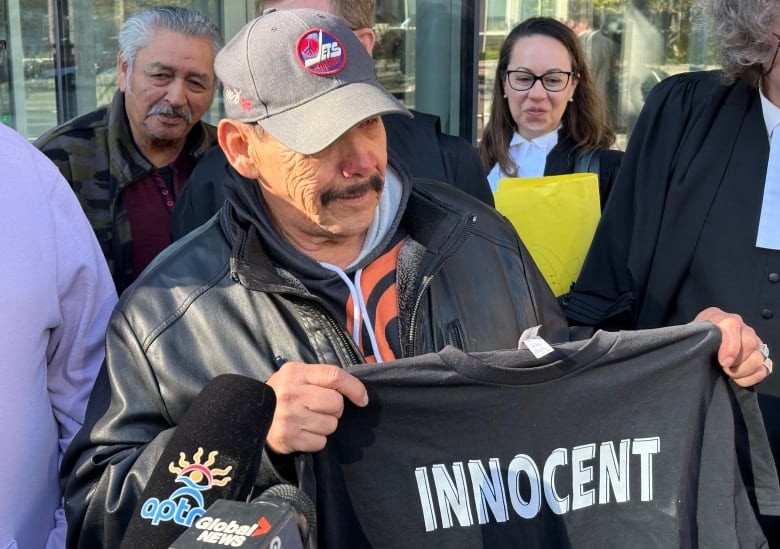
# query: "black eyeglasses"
[[553, 81], [774, 58]]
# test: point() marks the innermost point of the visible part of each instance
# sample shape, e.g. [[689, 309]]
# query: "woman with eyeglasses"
[[694, 217], [547, 117]]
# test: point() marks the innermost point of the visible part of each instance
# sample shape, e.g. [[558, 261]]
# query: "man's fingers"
[[309, 403], [338, 379], [326, 376]]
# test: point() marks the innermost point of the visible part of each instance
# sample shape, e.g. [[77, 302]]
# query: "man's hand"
[[740, 352], [309, 403]]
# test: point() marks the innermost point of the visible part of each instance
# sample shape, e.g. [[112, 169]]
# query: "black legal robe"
[[678, 233]]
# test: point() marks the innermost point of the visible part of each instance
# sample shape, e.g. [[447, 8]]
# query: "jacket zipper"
[[409, 346], [347, 351], [347, 345]]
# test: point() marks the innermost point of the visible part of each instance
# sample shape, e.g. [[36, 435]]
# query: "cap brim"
[[315, 125]]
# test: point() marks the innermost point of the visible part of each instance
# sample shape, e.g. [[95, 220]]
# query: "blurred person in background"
[[601, 52], [128, 162]]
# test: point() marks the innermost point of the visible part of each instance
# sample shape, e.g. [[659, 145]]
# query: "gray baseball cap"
[[303, 76]]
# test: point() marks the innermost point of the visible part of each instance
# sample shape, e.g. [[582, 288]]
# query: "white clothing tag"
[[533, 331], [769, 222], [538, 346]]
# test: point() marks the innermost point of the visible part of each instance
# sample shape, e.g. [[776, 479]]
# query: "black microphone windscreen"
[[215, 453], [288, 494]]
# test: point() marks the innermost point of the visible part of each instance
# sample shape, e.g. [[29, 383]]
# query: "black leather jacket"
[[214, 303]]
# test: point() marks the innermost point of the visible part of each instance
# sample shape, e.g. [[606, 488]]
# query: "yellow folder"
[[555, 217]]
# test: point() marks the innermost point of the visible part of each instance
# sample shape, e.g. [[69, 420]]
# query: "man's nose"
[[176, 93], [358, 156]]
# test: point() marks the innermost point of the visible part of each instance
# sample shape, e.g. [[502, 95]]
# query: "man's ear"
[[234, 140], [121, 72], [367, 38]]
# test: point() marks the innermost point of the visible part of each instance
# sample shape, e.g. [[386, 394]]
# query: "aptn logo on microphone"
[[186, 504]]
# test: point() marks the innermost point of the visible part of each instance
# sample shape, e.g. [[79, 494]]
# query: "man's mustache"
[[373, 183], [167, 110]]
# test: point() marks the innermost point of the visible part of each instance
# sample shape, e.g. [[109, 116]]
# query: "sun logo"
[[197, 471], [187, 502]]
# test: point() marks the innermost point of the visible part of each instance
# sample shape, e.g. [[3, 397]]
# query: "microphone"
[[215, 453], [282, 517]]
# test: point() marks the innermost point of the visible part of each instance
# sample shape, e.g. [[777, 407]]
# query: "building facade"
[[58, 57]]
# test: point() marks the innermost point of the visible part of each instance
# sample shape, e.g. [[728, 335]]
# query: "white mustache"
[[170, 111]]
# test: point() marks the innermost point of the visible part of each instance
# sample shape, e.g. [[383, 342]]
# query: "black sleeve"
[[203, 194], [607, 290], [464, 168], [107, 465], [608, 170], [430, 154]]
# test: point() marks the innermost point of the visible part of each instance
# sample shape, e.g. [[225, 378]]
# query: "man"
[[127, 162], [324, 255], [56, 296], [599, 49], [418, 142]]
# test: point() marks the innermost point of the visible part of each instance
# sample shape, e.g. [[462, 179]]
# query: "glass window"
[[59, 58], [424, 56]]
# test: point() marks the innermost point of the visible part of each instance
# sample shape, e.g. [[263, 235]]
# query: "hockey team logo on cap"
[[320, 52]]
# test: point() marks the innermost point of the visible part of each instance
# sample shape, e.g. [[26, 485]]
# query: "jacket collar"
[[128, 163]]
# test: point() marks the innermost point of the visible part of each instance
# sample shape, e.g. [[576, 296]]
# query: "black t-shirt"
[[630, 439]]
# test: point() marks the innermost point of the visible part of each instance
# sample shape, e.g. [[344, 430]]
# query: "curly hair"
[[585, 121], [741, 36]]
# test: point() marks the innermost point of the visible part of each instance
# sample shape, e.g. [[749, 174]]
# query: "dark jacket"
[[425, 151], [98, 157], [214, 303]]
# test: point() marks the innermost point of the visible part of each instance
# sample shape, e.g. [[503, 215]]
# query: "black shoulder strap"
[[589, 162]]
